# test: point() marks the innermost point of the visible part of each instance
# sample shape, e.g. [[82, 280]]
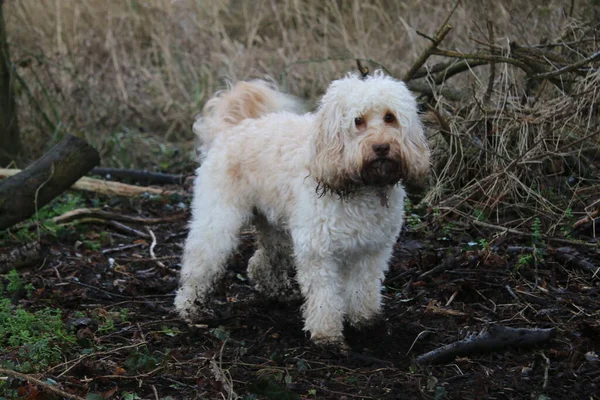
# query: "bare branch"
[[496, 338]]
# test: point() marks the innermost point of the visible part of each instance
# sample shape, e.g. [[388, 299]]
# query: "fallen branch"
[[25, 192], [97, 213], [441, 34], [114, 224], [569, 68], [103, 187], [448, 263], [41, 384], [144, 177], [570, 255], [424, 87], [95, 216], [496, 338]]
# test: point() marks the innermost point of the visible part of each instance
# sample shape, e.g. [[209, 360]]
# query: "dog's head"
[[368, 133]]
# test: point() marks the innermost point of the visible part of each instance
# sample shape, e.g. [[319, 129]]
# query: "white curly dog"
[[324, 189]]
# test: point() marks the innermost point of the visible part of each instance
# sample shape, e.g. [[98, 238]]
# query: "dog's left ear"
[[416, 155]]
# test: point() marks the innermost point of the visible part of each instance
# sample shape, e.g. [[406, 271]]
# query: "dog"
[[325, 191]]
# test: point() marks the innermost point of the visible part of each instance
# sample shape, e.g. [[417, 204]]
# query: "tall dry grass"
[[129, 75]]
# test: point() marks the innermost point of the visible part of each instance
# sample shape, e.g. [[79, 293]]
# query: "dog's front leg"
[[362, 286], [321, 286]]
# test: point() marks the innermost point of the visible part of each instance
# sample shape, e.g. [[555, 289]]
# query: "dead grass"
[[130, 75], [94, 67]]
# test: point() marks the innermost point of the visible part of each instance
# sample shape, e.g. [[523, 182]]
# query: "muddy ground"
[[257, 349]]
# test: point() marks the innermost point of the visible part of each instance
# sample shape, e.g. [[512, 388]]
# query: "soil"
[[256, 348]]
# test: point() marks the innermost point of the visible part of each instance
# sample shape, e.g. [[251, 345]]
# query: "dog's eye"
[[359, 121], [389, 118]]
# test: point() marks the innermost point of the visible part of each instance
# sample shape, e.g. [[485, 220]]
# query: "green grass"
[[35, 340]]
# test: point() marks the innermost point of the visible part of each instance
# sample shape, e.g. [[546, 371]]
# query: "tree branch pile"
[[518, 125]]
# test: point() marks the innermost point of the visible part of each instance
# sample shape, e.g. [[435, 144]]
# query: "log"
[[496, 338], [23, 194]]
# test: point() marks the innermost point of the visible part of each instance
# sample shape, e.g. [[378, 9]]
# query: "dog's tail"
[[244, 100]]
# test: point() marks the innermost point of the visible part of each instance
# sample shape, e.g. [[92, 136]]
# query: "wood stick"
[[46, 387], [572, 256], [98, 213], [441, 34], [143, 177], [496, 338]]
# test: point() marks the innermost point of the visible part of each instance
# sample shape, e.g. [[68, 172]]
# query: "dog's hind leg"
[[271, 267], [214, 235]]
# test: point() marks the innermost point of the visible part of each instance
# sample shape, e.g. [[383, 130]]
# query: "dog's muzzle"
[[381, 171]]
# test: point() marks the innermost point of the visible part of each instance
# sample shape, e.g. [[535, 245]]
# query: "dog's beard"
[[377, 174], [381, 171]]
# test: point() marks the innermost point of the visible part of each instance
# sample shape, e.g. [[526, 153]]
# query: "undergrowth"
[[35, 339]]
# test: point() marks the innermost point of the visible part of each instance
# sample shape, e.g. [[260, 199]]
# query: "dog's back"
[[244, 100]]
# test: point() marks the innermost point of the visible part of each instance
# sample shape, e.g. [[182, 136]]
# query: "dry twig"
[[44, 386]]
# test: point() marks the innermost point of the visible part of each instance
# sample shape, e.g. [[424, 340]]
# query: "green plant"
[[479, 214], [37, 338], [140, 360], [16, 284], [107, 320], [91, 245], [524, 261], [107, 325], [565, 229], [130, 396], [221, 333]]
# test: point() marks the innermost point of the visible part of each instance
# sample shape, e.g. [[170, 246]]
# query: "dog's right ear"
[[327, 145]]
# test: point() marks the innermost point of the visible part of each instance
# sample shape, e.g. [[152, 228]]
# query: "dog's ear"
[[415, 155], [327, 146]]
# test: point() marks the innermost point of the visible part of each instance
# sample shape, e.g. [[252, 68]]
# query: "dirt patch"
[[444, 283]]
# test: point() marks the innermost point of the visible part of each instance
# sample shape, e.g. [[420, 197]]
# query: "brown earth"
[[257, 349]]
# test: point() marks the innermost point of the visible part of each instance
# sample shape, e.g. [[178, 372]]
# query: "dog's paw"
[[190, 307], [331, 343], [362, 322]]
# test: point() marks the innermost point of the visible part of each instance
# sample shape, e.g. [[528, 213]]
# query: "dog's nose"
[[381, 149]]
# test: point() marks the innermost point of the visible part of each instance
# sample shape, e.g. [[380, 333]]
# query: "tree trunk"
[[21, 195], [10, 141]]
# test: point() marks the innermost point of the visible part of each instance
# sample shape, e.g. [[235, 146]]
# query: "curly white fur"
[[325, 188]]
